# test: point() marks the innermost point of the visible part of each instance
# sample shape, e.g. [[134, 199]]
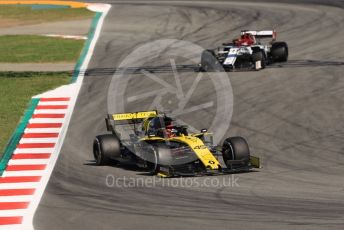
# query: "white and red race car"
[[246, 52]]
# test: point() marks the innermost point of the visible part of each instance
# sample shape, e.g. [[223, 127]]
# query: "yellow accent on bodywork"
[[153, 138], [201, 150], [163, 175], [197, 145], [132, 116], [255, 162]]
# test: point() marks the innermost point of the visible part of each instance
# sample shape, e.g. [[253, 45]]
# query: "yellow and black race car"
[[158, 144]]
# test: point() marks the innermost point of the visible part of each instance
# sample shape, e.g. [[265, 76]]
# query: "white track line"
[[77, 37]]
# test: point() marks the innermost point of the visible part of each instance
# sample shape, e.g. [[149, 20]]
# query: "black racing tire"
[[106, 148], [259, 56], [163, 158], [236, 148], [208, 61], [279, 52]]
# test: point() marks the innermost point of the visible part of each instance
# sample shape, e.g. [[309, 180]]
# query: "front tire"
[[208, 61], [259, 56], [236, 148], [152, 160], [106, 148]]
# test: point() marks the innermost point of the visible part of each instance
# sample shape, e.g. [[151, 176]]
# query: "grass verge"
[[14, 15], [16, 90], [38, 49]]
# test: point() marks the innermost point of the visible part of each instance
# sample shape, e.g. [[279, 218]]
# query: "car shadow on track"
[[142, 172], [124, 166], [195, 68], [138, 70], [306, 63]]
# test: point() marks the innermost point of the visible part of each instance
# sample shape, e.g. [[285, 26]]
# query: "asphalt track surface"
[[291, 114]]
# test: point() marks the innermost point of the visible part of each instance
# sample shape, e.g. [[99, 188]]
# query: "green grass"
[[16, 90], [38, 49], [21, 14]]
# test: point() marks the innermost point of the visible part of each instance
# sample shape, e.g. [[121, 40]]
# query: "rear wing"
[[134, 116], [128, 118], [261, 34]]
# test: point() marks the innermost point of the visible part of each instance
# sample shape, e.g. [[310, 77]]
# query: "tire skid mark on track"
[[302, 196]]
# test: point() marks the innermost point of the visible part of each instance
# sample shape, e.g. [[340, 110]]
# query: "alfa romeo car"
[[249, 51]]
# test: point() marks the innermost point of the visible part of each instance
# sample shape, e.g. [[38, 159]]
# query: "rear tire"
[[106, 148], [279, 52], [236, 148]]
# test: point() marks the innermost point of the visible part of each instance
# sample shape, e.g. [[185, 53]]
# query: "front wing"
[[255, 162]]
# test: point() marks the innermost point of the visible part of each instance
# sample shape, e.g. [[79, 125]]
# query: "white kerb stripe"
[[14, 212], [28, 162], [24, 185], [15, 198], [12, 227], [46, 120], [38, 140], [24, 173], [51, 111], [43, 150], [53, 103], [44, 130]]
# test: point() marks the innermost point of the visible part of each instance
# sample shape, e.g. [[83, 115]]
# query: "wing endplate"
[[255, 162]]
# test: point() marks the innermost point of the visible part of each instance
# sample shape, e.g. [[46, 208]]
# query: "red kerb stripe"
[[13, 205], [44, 125], [40, 135], [25, 167], [19, 179], [31, 156], [11, 220], [17, 192], [48, 115], [55, 99], [35, 145], [51, 107]]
